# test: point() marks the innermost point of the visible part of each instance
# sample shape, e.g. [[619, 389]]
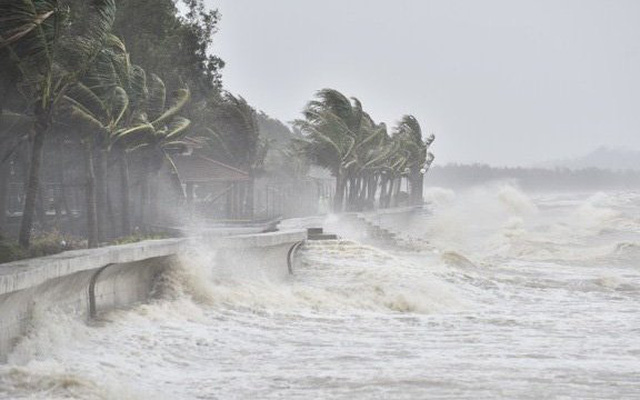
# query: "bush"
[[10, 251], [139, 237], [42, 244]]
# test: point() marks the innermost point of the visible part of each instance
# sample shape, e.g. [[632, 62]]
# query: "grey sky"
[[498, 81]]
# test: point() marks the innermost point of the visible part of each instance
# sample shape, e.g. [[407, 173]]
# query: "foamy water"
[[514, 297]]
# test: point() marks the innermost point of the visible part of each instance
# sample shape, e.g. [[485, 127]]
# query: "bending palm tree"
[[100, 104], [50, 56], [409, 134], [156, 131], [332, 125], [237, 141]]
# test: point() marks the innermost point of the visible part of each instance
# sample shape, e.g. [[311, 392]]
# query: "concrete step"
[[323, 236], [314, 231]]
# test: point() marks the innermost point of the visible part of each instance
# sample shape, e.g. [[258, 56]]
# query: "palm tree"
[[50, 56], [409, 133], [154, 132], [331, 126], [369, 155], [236, 140], [99, 102]]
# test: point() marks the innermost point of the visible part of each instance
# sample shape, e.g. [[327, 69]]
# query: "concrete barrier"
[[87, 282]]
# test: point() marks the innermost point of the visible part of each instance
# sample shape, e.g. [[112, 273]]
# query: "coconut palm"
[[99, 102], [331, 125], [235, 139], [154, 132], [50, 56], [409, 133]]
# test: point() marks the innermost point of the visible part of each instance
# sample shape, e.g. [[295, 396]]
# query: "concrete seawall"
[[86, 282]]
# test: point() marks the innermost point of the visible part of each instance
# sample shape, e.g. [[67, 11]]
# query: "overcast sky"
[[504, 82]]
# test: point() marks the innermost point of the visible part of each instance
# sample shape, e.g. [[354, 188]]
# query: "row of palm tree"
[[76, 74], [67, 78], [367, 161], [47, 55]]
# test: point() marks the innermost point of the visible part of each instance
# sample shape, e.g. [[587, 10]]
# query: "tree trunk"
[[338, 199], [353, 191], [4, 186], [101, 192], [388, 193], [153, 199], [144, 191], [62, 211], [383, 189], [33, 184], [250, 196], [111, 217], [364, 191], [41, 213], [415, 181], [371, 192], [64, 205], [124, 194], [92, 219], [395, 191]]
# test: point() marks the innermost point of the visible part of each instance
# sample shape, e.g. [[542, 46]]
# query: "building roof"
[[196, 168]]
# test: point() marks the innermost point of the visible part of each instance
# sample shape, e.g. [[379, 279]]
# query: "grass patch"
[[139, 237], [42, 244], [54, 242]]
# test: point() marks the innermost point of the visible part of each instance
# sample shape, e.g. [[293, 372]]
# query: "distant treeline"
[[458, 176]]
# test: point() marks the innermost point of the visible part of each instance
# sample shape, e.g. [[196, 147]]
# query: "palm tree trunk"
[[372, 190], [92, 220], [388, 192], [101, 192], [144, 191], [33, 183], [416, 185], [338, 198], [41, 213], [364, 190], [111, 217], [383, 188], [64, 205], [62, 211], [153, 199], [4, 185], [353, 190], [395, 191], [124, 194], [250, 196]]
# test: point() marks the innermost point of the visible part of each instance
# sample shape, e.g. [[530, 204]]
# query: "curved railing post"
[[92, 291], [290, 255]]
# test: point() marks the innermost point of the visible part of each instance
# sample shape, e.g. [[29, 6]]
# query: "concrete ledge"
[[97, 280], [23, 274], [255, 241]]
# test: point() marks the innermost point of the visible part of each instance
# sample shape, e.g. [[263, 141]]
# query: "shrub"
[[138, 237], [42, 244]]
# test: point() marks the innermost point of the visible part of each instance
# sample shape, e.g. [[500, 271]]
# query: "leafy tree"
[[174, 47], [155, 132], [235, 139], [98, 104], [50, 52], [409, 133], [331, 124]]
